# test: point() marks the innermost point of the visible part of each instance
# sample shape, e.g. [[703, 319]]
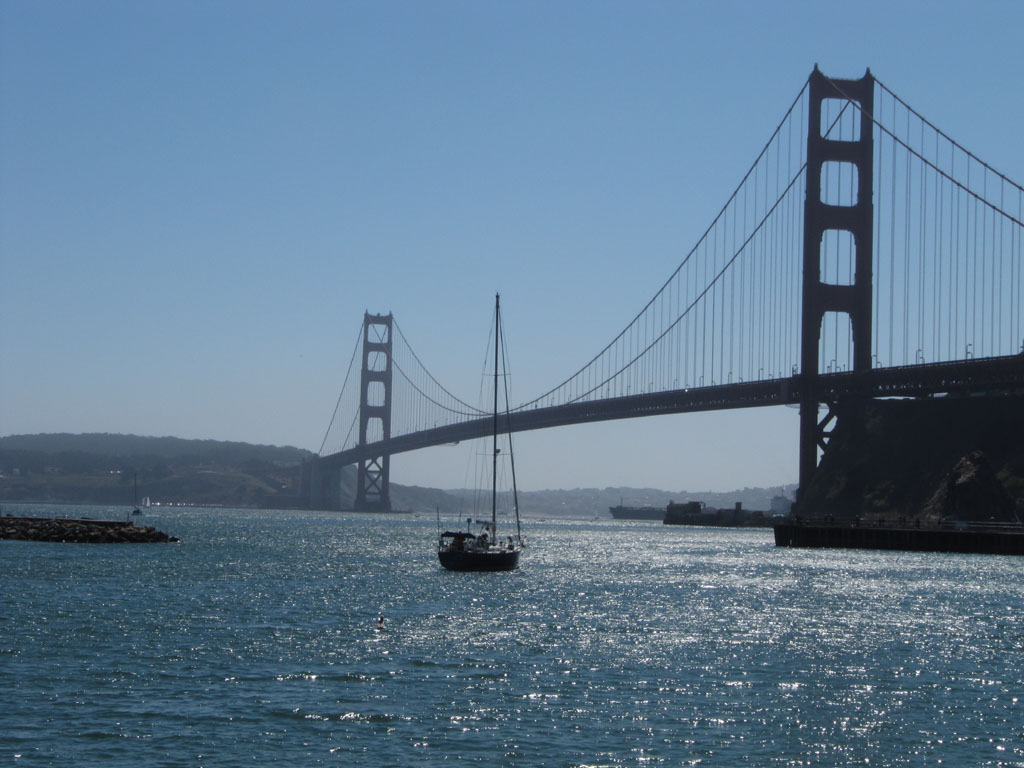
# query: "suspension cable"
[[717, 277], [472, 410], [701, 295], [952, 141], [686, 259], [928, 162], [342, 393]]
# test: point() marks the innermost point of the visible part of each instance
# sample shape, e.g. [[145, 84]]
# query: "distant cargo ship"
[[637, 513]]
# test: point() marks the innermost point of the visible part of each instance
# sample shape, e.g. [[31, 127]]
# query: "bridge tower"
[[372, 489], [856, 218]]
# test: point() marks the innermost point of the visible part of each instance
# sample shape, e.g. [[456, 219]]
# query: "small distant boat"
[[467, 551], [135, 495]]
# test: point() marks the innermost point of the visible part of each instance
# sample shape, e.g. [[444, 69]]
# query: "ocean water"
[[255, 642]]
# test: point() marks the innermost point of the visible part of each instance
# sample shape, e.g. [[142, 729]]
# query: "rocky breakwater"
[[78, 530]]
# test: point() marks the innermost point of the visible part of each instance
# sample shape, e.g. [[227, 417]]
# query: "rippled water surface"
[[254, 641]]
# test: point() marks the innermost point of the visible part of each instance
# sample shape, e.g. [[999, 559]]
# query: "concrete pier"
[[992, 540]]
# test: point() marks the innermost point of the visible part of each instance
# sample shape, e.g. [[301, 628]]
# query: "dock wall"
[[982, 541]]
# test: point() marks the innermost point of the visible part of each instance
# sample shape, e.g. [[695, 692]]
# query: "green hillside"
[[102, 468]]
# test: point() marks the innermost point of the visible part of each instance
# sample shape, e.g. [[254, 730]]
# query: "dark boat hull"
[[461, 560]]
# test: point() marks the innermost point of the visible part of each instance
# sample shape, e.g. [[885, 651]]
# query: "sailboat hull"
[[499, 560]]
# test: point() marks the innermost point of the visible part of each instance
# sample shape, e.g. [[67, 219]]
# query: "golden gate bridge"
[[864, 254]]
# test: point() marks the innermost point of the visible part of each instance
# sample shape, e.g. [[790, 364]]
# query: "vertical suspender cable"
[[892, 242], [906, 254], [881, 221], [954, 254], [954, 281], [921, 250], [937, 267]]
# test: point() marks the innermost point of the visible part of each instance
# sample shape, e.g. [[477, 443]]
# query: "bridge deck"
[[959, 377]]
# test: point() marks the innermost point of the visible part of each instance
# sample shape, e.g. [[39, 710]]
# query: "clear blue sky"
[[198, 200]]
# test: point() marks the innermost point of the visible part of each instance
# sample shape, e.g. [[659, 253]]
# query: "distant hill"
[[101, 469], [104, 444], [587, 502]]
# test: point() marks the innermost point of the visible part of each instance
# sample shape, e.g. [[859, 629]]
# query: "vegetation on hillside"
[[103, 469]]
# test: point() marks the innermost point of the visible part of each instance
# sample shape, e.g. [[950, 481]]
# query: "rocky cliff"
[[930, 460]]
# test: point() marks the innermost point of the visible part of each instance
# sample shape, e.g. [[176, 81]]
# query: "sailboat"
[[485, 551]]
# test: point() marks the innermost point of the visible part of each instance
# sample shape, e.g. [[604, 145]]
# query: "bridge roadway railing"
[[958, 377]]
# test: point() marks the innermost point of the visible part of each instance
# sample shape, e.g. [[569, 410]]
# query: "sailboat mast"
[[511, 453], [494, 454]]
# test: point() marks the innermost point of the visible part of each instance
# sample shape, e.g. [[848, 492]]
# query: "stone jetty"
[[78, 530]]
